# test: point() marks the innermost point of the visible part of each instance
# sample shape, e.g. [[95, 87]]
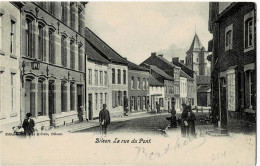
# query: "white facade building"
[[9, 66]]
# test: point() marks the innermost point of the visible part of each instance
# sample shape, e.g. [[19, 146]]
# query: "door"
[[51, 101], [27, 96], [90, 110], [223, 103]]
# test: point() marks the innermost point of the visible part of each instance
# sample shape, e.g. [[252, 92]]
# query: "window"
[[96, 101], [12, 37], [72, 55], [250, 89], [119, 76], [101, 100], [138, 83], [113, 76], [63, 51], [229, 37], [249, 31], [147, 84], [13, 91], [63, 11], [124, 76], [40, 42], [96, 77], [132, 83], [1, 32], [90, 76], [105, 98], [231, 90], [119, 100], [101, 78], [52, 8], [80, 59], [105, 80], [63, 96], [41, 97], [51, 47], [72, 96], [144, 84], [28, 34]]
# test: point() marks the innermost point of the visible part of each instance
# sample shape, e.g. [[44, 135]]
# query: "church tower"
[[196, 57]]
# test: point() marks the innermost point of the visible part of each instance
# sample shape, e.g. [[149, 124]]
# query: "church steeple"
[[196, 44]]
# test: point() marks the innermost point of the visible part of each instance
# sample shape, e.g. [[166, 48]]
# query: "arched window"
[[72, 55], [28, 36], [51, 46], [40, 42], [63, 51], [41, 103]]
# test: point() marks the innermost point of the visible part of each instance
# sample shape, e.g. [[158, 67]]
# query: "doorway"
[[223, 102], [51, 101], [90, 111]]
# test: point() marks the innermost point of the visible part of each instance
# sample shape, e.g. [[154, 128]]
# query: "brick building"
[[117, 72], [9, 65], [233, 60], [138, 87], [156, 93], [52, 33]]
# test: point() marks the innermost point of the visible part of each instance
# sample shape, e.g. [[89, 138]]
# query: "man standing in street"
[[173, 113], [104, 119]]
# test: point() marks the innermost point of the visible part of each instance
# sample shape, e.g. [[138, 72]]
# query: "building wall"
[[9, 65], [237, 59], [183, 90], [60, 77], [157, 94], [101, 89], [115, 88], [191, 92], [169, 93], [142, 93]]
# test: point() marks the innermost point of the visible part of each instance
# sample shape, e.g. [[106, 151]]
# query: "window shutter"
[[253, 90]]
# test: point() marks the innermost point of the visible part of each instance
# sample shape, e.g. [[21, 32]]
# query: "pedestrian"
[[80, 113], [104, 119], [184, 121], [191, 122], [28, 125], [125, 106], [173, 114], [157, 107]]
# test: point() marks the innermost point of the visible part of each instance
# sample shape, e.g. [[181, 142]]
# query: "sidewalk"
[[93, 123]]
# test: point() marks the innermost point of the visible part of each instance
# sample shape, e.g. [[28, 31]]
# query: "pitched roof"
[[204, 88], [93, 55], [154, 82], [166, 61], [133, 66], [160, 72], [184, 68], [106, 50], [203, 80], [183, 74], [196, 44]]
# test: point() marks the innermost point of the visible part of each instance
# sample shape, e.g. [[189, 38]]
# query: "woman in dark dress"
[[191, 122], [184, 122], [28, 125]]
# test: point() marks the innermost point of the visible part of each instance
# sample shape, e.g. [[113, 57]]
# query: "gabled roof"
[[183, 74], [166, 61], [204, 88], [132, 66], [93, 55], [160, 72], [106, 51], [154, 82], [196, 44], [203, 80]]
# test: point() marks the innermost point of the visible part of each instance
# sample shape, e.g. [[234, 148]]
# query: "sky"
[[136, 29]]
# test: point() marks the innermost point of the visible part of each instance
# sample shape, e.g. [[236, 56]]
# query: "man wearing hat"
[[28, 125], [104, 119]]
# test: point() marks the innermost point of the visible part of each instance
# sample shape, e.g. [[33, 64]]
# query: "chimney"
[[175, 59], [182, 61], [161, 55], [153, 53]]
